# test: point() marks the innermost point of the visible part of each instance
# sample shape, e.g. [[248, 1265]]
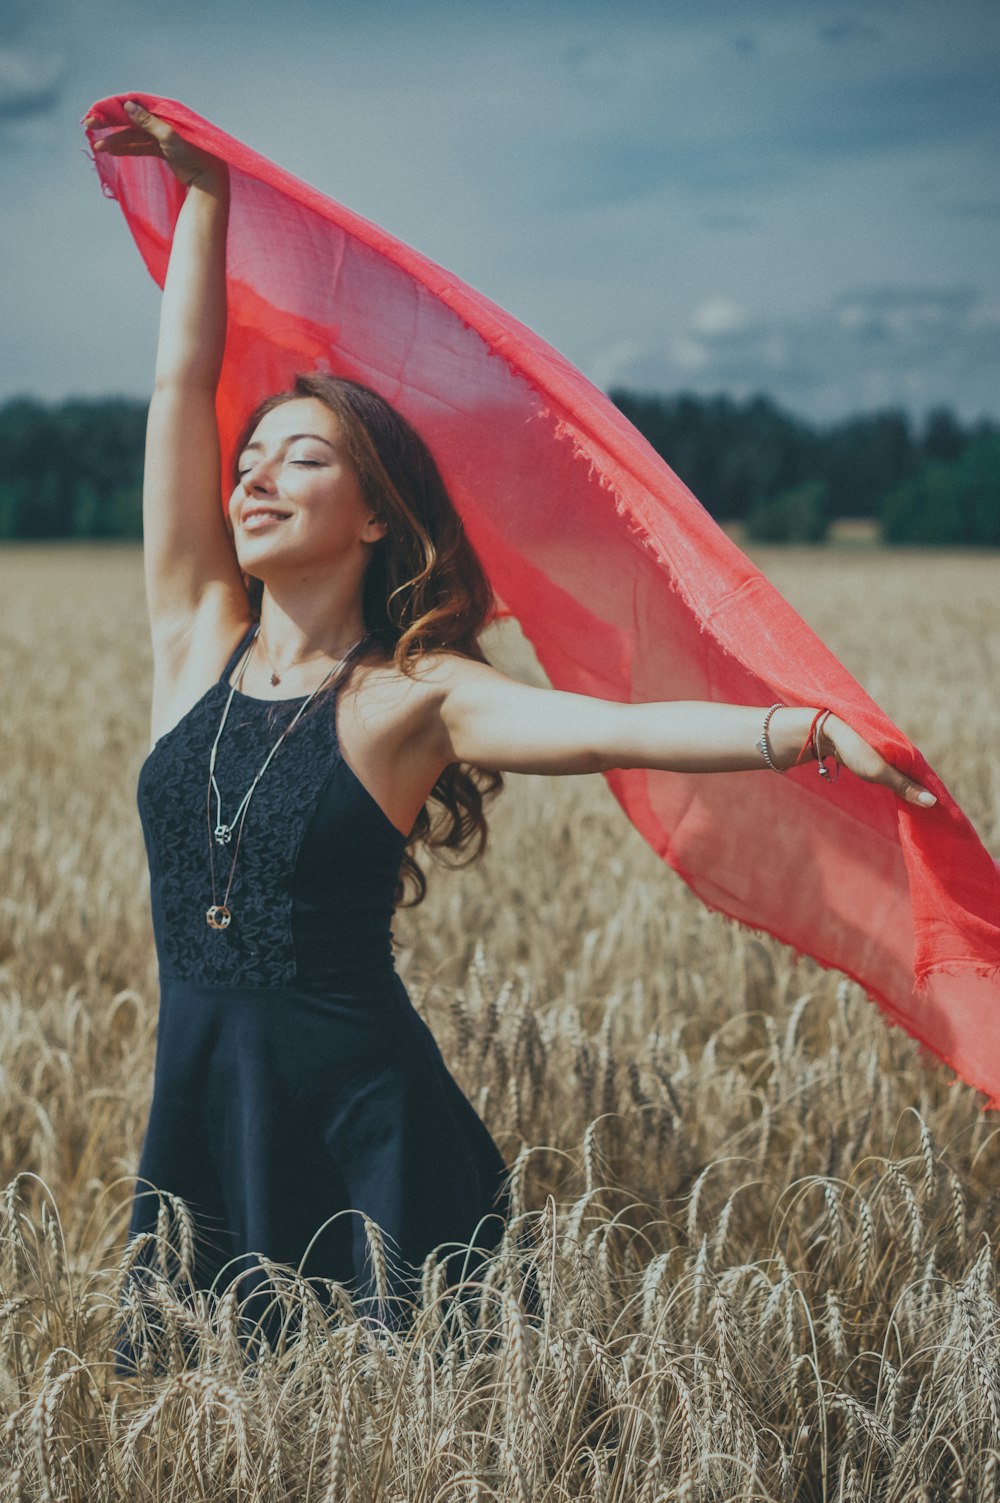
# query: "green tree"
[[865, 458], [44, 512], [86, 510], [797, 515], [979, 469], [124, 512], [926, 509], [729, 456], [62, 465], [14, 497], [943, 438], [949, 503]]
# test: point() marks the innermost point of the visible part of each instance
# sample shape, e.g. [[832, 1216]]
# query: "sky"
[[797, 197]]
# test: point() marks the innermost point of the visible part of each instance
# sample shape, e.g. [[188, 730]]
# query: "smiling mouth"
[[258, 519]]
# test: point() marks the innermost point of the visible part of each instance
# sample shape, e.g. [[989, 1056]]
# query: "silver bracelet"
[[763, 746]]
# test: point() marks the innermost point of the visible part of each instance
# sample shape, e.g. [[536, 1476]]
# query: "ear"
[[374, 530]]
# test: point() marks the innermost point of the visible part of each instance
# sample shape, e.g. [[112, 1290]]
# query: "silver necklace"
[[296, 662], [219, 915]]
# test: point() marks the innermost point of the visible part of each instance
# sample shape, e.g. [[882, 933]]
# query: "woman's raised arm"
[[193, 579]]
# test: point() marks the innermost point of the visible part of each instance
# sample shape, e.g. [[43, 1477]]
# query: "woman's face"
[[298, 500]]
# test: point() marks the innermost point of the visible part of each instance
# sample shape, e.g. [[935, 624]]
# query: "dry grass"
[[764, 1230]]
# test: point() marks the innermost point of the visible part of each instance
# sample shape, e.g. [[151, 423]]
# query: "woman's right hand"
[[858, 756], [150, 136]]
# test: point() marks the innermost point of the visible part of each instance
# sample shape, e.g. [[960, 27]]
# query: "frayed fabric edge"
[[923, 976]]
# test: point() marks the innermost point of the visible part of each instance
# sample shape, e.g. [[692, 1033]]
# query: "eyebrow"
[[290, 439]]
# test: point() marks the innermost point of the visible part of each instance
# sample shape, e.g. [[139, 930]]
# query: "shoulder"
[[429, 677], [443, 680], [412, 706], [382, 693], [444, 671]]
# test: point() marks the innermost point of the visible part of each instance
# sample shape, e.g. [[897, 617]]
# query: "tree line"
[[74, 469], [786, 479]]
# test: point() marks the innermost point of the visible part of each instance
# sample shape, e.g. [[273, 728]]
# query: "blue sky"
[[796, 198]]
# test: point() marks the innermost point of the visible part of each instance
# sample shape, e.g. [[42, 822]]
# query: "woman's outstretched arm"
[[190, 563], [493, 721]]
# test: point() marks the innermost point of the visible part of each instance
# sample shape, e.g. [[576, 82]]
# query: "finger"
[[914, 793], [146, 121], [112, 146], [127, 134]]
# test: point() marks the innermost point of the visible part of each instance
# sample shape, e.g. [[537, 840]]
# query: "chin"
[[260, 561]]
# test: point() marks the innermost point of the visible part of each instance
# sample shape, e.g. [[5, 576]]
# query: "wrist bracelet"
[[824, 771], [809, 737], [763, 746], [815, 731]]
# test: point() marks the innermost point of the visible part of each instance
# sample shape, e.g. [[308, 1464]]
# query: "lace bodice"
[[318, 861]]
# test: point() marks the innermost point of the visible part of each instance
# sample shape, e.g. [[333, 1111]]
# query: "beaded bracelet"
[[815, 730], [763, 746]]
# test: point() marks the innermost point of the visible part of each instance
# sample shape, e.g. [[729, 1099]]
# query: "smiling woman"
[[295, 1083], [298, 1096]]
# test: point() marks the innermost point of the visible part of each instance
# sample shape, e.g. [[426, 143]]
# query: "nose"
[[256, 477]]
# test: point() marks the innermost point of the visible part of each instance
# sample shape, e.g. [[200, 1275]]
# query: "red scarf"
[[620, 579]]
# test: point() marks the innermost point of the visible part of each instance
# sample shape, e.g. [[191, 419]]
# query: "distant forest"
[[74, 469]]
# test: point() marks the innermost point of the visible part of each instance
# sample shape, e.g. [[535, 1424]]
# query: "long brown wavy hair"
[[424, 590]]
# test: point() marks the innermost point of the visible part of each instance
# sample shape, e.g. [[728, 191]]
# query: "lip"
[[255, 519]]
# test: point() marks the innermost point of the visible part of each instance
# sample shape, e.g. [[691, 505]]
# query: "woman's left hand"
[[852, 751]]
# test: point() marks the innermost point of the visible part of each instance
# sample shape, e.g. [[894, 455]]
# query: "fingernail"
[[926, 797], [130, 105]]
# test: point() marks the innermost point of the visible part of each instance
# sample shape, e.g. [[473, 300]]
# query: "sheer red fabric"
[[621, 580]]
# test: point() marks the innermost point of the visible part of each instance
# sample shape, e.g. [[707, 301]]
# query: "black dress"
[[294, 1078]]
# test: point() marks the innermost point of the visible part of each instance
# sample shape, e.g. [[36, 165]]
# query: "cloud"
[[665, 194], [31, 81], [718, 316], [904, 313], [909, 347]]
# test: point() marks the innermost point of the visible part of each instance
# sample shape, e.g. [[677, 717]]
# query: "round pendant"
[[218, 916], [223, 834]]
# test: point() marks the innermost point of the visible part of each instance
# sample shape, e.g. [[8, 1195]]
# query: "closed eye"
[[315, 463]]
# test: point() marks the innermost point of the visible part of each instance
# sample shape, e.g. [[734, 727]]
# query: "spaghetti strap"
[[238, 652]]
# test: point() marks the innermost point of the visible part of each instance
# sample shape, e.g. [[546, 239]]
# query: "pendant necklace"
[[219, 915], [275, 675]]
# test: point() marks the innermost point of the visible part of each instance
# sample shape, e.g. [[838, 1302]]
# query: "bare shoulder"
[[444, 671], [404, 715], [391, 730], [380, 692]]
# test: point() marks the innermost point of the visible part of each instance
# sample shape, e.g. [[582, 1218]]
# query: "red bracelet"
[[824, 771], [808, 739]]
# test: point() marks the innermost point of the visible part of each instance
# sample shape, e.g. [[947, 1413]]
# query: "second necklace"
[[219, 915]]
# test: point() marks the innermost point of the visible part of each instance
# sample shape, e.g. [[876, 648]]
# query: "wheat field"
[[762, 1226]]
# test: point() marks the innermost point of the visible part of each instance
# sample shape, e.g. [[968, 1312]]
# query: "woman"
[[320, 705]]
